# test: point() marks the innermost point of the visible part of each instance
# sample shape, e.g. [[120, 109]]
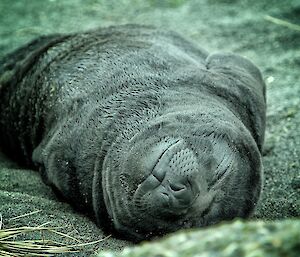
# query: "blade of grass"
[[24, 215], [282, 23]]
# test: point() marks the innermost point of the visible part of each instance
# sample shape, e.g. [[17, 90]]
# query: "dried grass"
[[10, 245], [283, 23]]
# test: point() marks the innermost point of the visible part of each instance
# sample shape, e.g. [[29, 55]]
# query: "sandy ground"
[[217, 25]]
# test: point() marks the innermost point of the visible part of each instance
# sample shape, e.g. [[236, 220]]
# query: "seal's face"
[[161, 182]]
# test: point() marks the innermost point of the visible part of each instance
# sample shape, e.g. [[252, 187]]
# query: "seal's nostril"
[[165, 194], [165, 199], [182, 194], [177, 187]]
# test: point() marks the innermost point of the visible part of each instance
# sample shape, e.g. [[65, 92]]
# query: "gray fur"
[[137, 126]]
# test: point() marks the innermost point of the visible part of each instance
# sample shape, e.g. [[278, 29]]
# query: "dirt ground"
[[244, 27]]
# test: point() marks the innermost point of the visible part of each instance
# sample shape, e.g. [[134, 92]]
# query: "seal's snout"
[[170, 189]]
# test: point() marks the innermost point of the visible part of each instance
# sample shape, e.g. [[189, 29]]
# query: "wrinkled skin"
[[137, 126]]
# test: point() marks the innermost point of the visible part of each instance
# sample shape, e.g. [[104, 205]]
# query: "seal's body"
[[138, 126]]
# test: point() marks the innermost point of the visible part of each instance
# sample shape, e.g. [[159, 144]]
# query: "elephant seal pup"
[[137, 126]]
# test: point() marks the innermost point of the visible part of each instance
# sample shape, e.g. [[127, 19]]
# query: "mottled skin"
[[137, 126]]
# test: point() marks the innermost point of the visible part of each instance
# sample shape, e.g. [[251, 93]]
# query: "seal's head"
[[172, 176]]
